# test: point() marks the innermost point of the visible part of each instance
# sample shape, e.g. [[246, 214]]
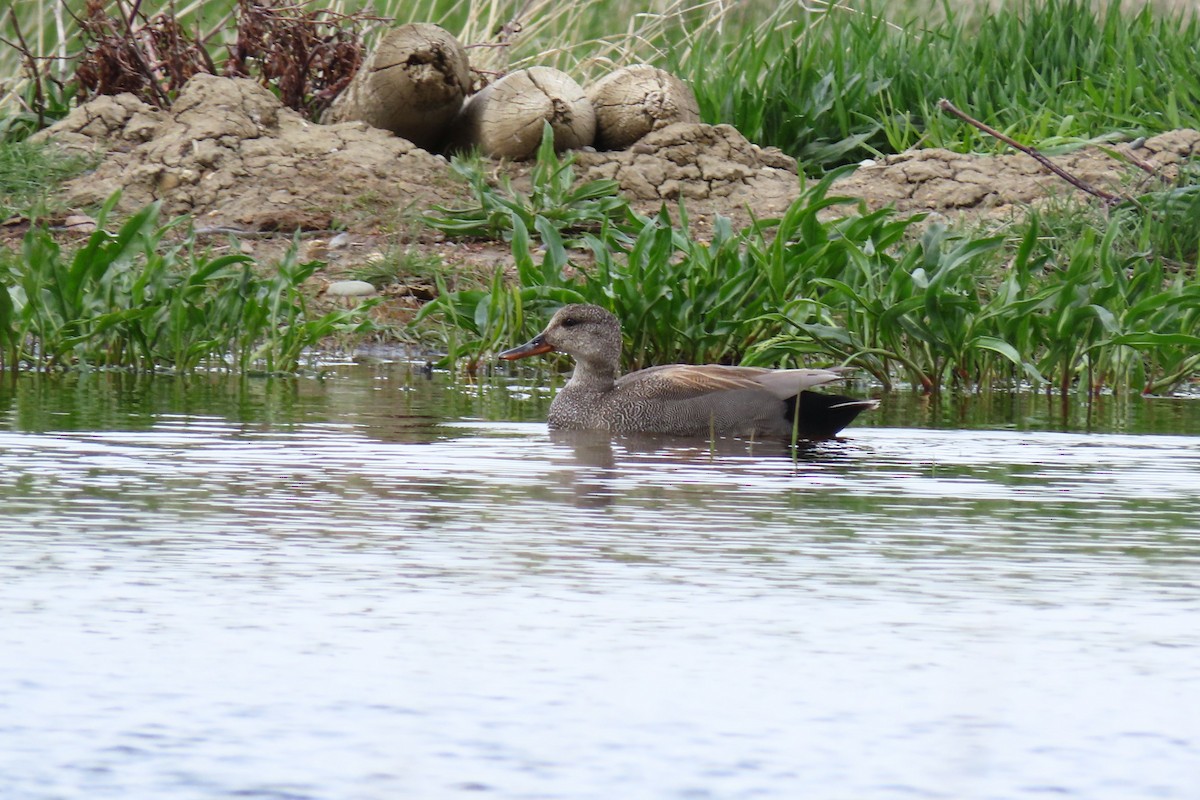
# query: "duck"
[[681, 399]]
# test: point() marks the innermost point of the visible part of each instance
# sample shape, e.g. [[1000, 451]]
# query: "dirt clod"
[[996, 186], [229, 153], [712, 167]]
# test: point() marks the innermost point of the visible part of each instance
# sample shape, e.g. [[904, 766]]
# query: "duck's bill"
[[534, 347]]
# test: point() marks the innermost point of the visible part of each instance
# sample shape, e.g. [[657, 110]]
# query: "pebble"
[[349, 289], [79, 223]]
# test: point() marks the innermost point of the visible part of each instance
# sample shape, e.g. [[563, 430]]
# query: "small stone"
[[79, 223], [316, 250], [349, 289]]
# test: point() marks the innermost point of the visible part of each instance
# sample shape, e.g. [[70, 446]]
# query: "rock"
[[106, 121], [350, 290], [79, 223], [996, 185], [230, 154]]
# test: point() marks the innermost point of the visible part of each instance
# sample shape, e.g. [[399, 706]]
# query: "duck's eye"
[[570, 322]]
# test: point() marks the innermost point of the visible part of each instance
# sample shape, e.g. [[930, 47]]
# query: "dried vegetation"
[[307, 56]]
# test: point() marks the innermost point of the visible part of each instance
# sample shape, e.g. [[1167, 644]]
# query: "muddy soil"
[[230, 155]]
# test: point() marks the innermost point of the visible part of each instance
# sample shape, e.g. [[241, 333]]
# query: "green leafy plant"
[[555, 196], [917, 309], [714, 299], [135, 300], [479, 321], [1111, 317], [1084, 304], [681, 297]]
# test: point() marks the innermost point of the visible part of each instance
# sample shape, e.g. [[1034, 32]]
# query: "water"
[[380, 585]]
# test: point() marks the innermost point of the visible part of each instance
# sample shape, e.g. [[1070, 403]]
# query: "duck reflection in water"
[[603, 460]]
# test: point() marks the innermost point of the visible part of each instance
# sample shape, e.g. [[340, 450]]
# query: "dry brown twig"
[[149, 57], [504, 36], [1078, 183], [309, 56], [31, 61]]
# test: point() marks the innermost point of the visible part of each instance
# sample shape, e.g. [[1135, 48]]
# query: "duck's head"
[[585, 332]]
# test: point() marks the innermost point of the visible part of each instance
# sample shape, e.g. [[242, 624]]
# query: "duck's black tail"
[[823, 415]]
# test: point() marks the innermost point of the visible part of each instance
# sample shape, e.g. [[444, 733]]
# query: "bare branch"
[[1078, 183]]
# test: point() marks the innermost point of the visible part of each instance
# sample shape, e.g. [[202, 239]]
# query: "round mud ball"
[[413, 85], [506, 118], [635, 100]]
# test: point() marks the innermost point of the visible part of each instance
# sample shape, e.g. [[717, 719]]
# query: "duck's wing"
[[785, 383], [683, 381]]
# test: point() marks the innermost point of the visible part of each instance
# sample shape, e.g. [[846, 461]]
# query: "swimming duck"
[[680, 399]]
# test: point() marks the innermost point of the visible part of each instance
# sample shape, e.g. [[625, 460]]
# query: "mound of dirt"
[[997, 186], [229, 153], [712, 167]]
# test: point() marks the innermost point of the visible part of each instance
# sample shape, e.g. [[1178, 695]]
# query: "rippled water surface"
[[384, 586]]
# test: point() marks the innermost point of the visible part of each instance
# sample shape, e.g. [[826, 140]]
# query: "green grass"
[[144, 299], [556, 199], [404, 263], [30, 172], [835, 85]]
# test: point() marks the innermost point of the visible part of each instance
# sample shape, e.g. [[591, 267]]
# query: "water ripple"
[[210, 609]]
